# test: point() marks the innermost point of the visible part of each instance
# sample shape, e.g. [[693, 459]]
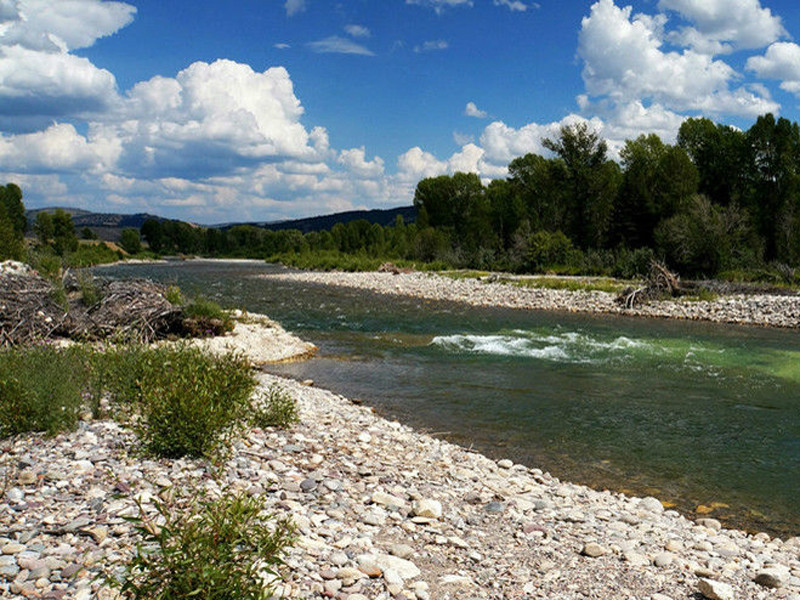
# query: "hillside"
[[109, 226]]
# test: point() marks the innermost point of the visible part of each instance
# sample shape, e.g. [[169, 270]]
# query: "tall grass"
[[42, 388]]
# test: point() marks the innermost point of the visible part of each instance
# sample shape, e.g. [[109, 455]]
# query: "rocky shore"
[[382, 512], [756, 309]]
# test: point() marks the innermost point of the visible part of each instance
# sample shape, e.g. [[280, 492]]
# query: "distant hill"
[[107, 226], [382, 217]]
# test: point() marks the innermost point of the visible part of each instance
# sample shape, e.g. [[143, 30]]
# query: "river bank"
[[382, 512], [752, 309]]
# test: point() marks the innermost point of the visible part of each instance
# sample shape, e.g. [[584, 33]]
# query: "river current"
[[699, 415]]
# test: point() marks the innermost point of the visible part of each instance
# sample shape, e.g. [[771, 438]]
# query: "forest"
[[720, 202]]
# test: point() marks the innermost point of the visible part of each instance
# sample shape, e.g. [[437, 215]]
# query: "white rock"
[[431, 509], [404, 568], [715, 590], [651, 504], [385, 499]]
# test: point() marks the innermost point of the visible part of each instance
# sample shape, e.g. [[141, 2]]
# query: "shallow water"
[[697, 414]]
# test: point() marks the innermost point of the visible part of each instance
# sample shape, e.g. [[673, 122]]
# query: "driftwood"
[[28, 312], [393, 269], [134, 310], [660, 283]]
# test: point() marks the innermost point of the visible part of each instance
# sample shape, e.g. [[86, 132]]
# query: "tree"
[[64, 238], [590, 180], [88, 234], [775, 158], [538, 183], [153, 233], [11, 243], [43, 227], [130, 241], [721, 156], [657, 178], [705, 238], [11, 200]]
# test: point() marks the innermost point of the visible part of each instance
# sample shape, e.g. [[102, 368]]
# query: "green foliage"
[[704, 238], [11, 243], [222, 549], [43, 227], [174, 295], [130, 241], [274, 408], [207, 317], [189, 403], [64, 238], [547, 249], [46, 263], [12, 223], [41, 389], [88, 234], [90, 293], [90, 254]]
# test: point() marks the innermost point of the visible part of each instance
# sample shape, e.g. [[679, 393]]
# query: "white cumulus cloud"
[[782, 62], [39, 78], [724, 25], [471, 110], [624, 62]]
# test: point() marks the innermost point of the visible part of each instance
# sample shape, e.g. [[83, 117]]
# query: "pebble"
[[594, 550]]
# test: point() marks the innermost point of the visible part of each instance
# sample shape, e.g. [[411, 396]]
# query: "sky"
[[264, 110]]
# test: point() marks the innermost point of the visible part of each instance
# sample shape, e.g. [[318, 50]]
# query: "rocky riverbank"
[[382, 512], [755, 309]]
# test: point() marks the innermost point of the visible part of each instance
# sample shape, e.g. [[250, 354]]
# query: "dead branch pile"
[[661, 283], [28, 312], [136, 309], [393, 269], [132, 310]]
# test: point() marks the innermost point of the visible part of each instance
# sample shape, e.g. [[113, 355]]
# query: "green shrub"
[[274, 408], [42, 389], [189, 403], [206, 317], [174, 296], [89, 254], [222, 549]]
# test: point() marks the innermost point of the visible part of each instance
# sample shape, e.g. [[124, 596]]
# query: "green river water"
[[693, 413]]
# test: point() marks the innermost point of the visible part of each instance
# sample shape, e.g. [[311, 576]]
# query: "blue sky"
[[270, 109]]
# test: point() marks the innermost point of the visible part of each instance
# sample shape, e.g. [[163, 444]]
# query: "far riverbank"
[[751, 309]]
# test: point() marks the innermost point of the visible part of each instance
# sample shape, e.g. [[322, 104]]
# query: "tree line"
[[718, 200]]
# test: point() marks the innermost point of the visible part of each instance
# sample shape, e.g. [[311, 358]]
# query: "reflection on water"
[[694, 413]]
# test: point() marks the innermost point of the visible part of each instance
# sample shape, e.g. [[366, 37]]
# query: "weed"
[[274, 408], [221, 549]]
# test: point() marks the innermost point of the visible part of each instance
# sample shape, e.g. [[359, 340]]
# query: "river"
[[697, 414]]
